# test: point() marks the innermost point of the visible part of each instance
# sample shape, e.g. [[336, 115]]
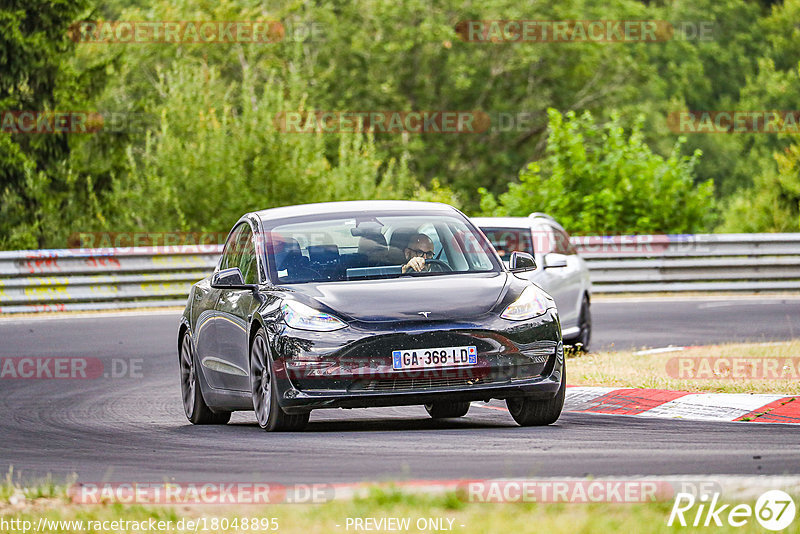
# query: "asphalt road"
[[638, 323], [133, 428]]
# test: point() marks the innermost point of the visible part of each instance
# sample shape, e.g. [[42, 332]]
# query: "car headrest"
[[285, 250], [398, 243], [369, 243], [323, 253], [374, 248]]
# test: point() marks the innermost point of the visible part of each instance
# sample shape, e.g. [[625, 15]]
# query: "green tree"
[[38, 188], [375, 55], [598, 179], [218, 153], [383, 54], [772, 204]]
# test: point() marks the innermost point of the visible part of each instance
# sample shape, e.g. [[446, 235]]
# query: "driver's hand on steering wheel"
[[417, 264]]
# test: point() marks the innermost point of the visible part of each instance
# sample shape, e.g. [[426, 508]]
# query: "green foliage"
[[218, 153], [393, 496], [38, 189], [773, 203], [383, 54], [214, 152], [770, 204], [597, 179]]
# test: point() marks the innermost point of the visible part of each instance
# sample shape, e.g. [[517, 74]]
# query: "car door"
[[204, 301], [554, 280], [204, 316], [570, 279], [214, 366], [234, 310]]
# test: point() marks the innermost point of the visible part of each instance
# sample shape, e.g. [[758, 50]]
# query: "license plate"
[[438, 357]]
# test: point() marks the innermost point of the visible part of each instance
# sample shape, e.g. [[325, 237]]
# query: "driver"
[[419, 249]]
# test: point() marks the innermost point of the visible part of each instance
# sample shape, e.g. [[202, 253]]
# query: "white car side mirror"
[[554, 260]]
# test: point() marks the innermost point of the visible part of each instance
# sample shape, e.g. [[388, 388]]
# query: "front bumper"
[[542, 388], [352, 368]]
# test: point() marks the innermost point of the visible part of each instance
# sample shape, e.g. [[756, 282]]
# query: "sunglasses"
[[427, 254]]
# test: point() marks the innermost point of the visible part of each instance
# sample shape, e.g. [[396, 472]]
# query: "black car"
[[362, 304]]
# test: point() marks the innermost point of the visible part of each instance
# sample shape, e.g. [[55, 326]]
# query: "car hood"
[[445, 297]]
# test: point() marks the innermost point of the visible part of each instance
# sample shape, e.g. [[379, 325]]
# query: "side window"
[[562, 244], [507, 240], [247, 260], [544, 241], [430, 231], [231, 253], [475, 254]]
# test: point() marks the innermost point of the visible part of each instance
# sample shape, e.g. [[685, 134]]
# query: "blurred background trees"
[[578, 129], [599, 179]]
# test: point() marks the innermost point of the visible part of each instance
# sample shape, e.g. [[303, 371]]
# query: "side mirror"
[[521, 262], [229, 279], [553, 260]]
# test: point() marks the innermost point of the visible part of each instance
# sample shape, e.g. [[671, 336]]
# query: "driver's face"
[[422, 248]]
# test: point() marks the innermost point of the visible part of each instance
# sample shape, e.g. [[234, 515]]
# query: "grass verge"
[[734, 368], [447, 510]]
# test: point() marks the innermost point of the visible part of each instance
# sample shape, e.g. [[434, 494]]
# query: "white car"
[[559, 269]]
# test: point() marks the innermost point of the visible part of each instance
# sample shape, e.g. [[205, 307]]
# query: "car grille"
[[400, 384]]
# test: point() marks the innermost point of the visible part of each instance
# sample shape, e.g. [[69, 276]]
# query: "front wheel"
[[531, 412], [585, 325], [443, 410], [269, 414], [194, 406]]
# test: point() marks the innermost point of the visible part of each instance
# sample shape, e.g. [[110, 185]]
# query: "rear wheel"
[[443, 410], [269, 414], [194, 406], [585, 325], [531, 412]]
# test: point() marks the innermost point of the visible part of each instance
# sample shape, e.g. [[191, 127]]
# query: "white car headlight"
[[533, 302], [302, 317]]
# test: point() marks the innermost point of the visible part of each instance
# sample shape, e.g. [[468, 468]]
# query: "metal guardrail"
[[95, 279], [702, 262]]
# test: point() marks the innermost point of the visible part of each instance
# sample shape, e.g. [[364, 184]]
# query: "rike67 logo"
[[774, 510]]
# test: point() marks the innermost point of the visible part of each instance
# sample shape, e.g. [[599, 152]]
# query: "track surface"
[[636, 323], [134, 429]]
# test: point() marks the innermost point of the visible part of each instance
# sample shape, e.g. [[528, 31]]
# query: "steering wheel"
[[443, 267]]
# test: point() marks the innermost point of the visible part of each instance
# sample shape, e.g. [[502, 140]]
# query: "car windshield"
[[369, 246], [507, 240]]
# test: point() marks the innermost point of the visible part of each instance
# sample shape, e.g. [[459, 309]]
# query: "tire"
[[443, 410], [269, 414], [530, 412], [585, 325], [194, 406]]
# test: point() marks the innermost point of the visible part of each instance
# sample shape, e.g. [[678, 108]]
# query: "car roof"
[[350, 206], [513, 222], [496, 222]]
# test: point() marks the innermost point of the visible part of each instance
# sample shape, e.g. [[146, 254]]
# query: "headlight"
[[304, 317], [532, 303]]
